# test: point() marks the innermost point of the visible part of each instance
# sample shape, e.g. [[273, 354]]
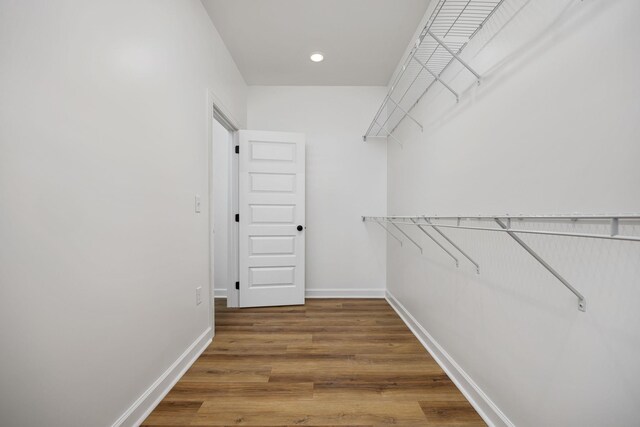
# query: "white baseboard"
[[344, 293], [488, 410], [141, 408], [326, 293]]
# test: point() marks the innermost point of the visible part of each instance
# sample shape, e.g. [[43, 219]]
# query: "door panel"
[[271, 197], [272, 182], [270, 214], [271, 245]]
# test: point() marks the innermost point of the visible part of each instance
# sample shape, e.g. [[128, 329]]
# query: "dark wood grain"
[[330, 362]]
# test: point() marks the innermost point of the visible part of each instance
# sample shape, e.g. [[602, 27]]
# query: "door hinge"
[[237, 149], [237, 217], [237, 285]]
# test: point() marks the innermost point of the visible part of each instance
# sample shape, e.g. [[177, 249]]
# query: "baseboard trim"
[[488, 410], [141, 408], [326, 293], [345, 293]]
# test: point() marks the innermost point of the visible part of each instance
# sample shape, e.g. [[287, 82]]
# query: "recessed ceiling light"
[[316, 56]]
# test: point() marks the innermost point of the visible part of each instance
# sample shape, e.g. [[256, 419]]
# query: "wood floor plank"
[[363, 338], [173, 413], [218, 373], [330, 362], [310, 413], [357, 348], [253, 339], [435, 388], [343, 377], [246, 349], [353, 366], [314, 328], [451, 414], [246, 390]]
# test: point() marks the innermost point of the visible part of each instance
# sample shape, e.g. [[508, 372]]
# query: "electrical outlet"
[[198, 295], [198, 203]]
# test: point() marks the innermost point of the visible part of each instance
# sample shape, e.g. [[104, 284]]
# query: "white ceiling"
[[271, 40]]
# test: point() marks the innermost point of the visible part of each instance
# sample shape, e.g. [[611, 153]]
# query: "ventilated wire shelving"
[[433, 226], [448, 30]]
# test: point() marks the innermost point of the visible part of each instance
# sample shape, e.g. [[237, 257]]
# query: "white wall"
[[103, 145], [553, 129], [346, 178]]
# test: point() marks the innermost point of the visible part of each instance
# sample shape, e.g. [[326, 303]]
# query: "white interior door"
[[271, 194]]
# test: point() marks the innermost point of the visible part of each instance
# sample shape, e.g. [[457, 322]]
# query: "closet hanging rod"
[[521, 216]]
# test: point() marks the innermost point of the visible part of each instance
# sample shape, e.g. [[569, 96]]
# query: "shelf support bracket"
[[436, 242], [615, 226], [406, 113], [582, 303], [388, 231], [407, 236], [389, 134], [455, 55], [435, 76], [436, 229]]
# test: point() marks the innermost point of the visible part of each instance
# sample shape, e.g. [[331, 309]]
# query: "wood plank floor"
[[331, 362]]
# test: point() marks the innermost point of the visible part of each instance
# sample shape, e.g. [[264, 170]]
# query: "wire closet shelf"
[[448, 30], [505, 224]]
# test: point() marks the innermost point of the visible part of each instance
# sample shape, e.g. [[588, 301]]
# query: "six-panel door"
[[271, 201]]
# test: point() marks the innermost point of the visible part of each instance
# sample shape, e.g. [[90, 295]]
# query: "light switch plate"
[[198, 203], [198, 295]]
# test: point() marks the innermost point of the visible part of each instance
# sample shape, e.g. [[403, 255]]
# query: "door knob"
[[299, 228]]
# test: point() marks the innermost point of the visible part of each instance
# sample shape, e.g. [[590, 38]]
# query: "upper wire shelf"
[[448, 30]]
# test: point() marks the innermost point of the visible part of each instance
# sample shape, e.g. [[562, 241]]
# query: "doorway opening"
[[224, 201], [257, 219]]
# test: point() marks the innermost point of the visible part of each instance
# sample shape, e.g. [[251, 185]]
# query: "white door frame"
[[217, 111], [233, 294]]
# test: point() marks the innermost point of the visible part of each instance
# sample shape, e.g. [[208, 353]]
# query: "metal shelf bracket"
[[407, 236], [437, 243], [582, 303], [389, 231], [389, 135], [455, 55], [438, 79], [406, 113], [436, 229]]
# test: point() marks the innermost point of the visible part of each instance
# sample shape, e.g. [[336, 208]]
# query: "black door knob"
[[299, 228]]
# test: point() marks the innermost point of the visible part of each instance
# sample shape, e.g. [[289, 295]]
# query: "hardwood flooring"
[[331, 362]]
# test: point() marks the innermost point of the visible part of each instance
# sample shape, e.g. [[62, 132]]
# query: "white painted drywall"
[[103, 146], [345, 178], [552, 129]]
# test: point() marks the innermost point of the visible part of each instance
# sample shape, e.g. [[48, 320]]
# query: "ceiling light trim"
[[316, 56]]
